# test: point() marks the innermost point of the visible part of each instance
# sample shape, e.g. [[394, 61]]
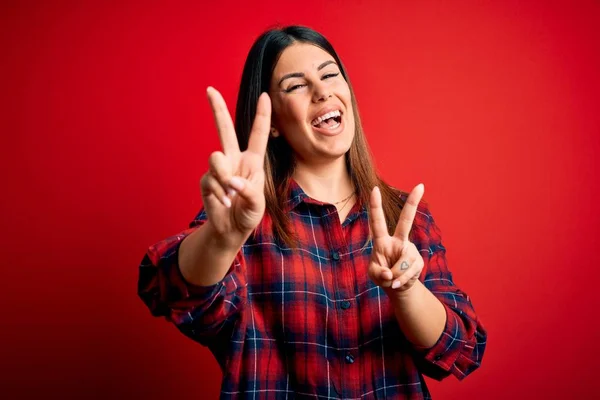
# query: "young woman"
[[304, 273]]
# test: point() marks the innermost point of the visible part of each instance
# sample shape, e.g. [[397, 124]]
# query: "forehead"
[[300, 57]]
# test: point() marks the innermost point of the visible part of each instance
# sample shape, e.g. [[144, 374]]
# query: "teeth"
[[322, 118]]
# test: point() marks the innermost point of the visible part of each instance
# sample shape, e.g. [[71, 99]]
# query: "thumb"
[[245, 190]]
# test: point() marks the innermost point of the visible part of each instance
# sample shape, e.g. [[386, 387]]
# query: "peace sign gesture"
[[233, 188], [395, 261]]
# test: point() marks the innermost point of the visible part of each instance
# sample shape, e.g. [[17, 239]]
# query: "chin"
[[337, 150]]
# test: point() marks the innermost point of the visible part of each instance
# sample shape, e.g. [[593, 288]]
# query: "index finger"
[[376, 215], [407, 216], [259, 135], [223, 121]]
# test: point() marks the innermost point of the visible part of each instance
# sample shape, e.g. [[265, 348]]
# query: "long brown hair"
[[279, 162]]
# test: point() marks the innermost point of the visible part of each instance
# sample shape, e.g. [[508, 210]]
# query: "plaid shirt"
[[308, 322]]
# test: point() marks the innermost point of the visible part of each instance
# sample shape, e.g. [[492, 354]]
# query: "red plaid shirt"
[[308, 321]]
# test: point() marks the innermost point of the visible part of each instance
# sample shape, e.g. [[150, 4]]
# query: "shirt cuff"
[[180, 289], [446, 350], [229, 284]]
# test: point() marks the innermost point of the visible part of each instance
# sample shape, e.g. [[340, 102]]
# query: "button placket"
[[342, 270]]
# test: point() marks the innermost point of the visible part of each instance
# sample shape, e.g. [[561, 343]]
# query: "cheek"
[[347, 95], [343, 91], [293, 111]]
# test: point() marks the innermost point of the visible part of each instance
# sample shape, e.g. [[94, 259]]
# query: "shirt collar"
[[296, 196]]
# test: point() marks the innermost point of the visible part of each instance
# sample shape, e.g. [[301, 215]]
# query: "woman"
[[340, 289]]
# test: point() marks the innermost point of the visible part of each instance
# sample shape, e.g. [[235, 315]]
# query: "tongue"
[[328, 123]]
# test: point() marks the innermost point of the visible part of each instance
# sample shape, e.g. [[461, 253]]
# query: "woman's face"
[[312, 104]]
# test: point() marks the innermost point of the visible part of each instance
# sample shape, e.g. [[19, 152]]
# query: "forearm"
[[205, 256], [421, 316]]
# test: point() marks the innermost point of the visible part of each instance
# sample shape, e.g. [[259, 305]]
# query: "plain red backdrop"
[[106, 131]]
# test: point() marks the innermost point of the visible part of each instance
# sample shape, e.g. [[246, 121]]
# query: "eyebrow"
[[301, 75]]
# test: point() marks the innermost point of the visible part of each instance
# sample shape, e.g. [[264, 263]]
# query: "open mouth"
[[331, 120]]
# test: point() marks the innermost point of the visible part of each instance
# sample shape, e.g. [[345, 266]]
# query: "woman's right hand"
[[233, 188]]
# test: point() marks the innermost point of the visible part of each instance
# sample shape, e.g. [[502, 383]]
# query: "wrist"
[[406, 294], [225, 241]]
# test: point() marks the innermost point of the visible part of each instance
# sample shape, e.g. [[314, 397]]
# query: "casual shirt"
[[308, 322]]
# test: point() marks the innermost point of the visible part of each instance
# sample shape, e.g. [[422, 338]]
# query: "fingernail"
[[226, 201], [237, 183], [231, 193], [396, 284]]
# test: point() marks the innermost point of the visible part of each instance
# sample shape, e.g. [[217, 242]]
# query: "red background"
[[106, 131]]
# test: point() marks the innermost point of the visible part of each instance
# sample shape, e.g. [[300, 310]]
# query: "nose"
[[321, 92]]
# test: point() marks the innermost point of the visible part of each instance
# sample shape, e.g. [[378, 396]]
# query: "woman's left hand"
[[395, 261]]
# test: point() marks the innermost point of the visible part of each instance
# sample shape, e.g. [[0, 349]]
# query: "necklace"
[[345, 198]]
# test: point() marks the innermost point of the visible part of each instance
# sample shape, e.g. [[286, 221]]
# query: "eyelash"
[[326, 76]]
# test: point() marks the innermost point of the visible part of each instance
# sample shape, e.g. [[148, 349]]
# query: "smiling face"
[[312, 103]]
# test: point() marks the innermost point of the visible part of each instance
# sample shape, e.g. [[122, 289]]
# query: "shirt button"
[[345, 305], [335, 255], [349, 358]]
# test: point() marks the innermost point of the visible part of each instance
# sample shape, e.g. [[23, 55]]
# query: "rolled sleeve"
[[460, 348], [198, 311]]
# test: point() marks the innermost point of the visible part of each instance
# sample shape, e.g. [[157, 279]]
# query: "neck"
[[327, 182]]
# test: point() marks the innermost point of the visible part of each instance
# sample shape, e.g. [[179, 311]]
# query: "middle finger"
[[223, 121], [220, 167]]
